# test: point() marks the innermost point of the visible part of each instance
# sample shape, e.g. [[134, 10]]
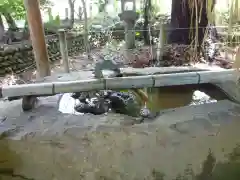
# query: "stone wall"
[[19, 57]]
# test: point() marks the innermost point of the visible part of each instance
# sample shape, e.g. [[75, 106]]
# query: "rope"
[[169, 28]]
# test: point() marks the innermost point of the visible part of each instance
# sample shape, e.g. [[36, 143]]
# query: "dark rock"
[[97, 108], [76, 95], [28, 102], [14, 98], [125, 103], [2, 118], [99, 103]]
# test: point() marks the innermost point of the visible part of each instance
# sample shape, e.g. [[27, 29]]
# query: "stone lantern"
[[129, 16]]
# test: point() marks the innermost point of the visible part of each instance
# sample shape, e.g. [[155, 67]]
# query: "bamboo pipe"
[[146, 81]]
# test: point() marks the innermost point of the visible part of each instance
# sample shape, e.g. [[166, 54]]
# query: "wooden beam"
[[119, 82], [37, 37], [129, 71]]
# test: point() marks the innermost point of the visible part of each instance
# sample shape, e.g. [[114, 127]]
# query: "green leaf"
[[137, 33]]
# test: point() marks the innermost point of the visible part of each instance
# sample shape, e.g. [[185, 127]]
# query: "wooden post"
[[39, 47], [64, 49], [37, 37]]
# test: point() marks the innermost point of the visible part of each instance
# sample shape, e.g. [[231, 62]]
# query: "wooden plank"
[[159, 70], [176, 79], [72, 76], [28, 89], [119, 82], [217, 76], [77, 86], [129, 82], [84, 75]]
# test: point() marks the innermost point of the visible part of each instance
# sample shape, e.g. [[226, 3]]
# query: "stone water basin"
[[197, 124]]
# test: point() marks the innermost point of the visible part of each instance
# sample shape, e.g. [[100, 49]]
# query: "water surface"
[[163, 97]]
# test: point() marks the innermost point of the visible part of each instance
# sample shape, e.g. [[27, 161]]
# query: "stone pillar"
[[80, 13], [90, 9], [130, 35], [64, 49], [66, 13], [129, 17]]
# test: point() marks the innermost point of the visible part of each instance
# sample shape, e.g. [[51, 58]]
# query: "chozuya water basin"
[[135, 103], [145, 151], [130, 102]]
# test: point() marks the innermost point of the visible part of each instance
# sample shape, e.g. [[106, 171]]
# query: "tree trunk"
[[180, 22], [1, 29], [11, 23], [71, 6], [38, 42], [147, 7], [86, 43], [182, 16]]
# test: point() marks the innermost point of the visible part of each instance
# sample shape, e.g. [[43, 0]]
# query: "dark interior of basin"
[[167, 97]]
